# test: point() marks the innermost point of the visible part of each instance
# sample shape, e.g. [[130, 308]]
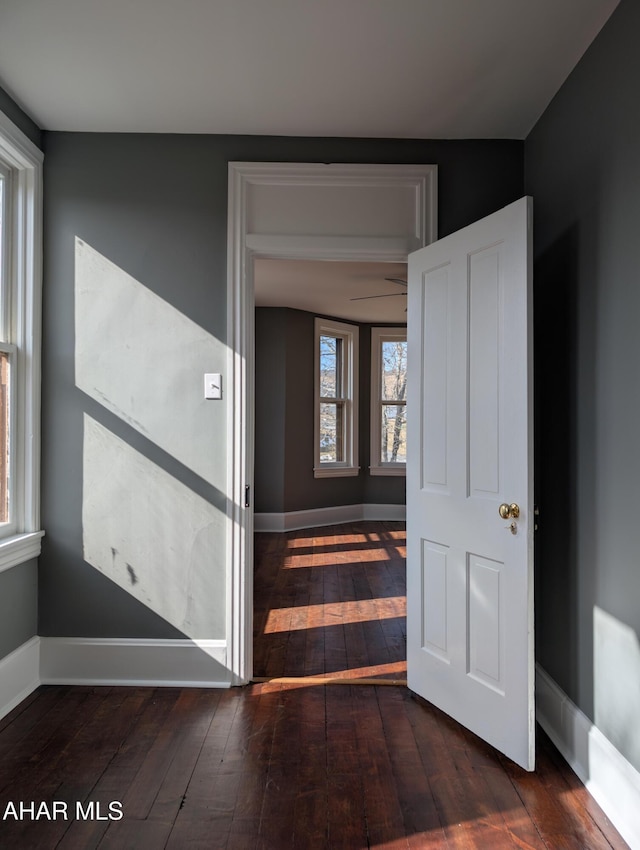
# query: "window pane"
[[394, 370], [3, 239], [4, 437], [394, 433], [4, 256], [331, 433], [330, 367], [2, 226]]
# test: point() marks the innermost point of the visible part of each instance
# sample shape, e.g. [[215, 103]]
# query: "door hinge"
[[247, 495]]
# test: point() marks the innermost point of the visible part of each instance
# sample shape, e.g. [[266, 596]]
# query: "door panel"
[[484, 373], [435, 303], [434, 599], [469, 571], [485, 624]]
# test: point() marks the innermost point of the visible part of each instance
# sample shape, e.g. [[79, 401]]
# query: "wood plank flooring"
[[277, 766], [273, 766], [331, 601]]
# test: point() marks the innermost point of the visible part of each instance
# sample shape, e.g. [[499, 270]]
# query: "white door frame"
[[242, 248]]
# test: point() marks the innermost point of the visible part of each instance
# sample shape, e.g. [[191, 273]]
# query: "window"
[[20, 259], [7, 359], [336, 419], [388, 401]]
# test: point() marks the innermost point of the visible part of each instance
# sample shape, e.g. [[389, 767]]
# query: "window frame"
[[349, 334], [377, 465], [21, 299]]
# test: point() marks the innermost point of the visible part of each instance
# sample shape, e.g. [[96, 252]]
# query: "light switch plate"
[[213, 385]]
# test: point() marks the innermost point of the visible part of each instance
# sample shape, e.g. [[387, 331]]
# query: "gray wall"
[[156, 207], [271, 411], [582, 166], [18, 606], [284, 479]]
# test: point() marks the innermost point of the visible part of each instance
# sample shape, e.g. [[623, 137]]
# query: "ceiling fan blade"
[[397, 280], [367, 297]]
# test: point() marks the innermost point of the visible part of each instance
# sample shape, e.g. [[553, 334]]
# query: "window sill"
[[388, 470], [336, 471], [19, 548]]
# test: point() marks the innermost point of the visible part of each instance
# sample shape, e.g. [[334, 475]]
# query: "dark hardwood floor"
[[331, 601], [275, 765]]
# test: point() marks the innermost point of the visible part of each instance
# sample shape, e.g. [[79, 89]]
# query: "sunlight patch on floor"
[[334, 614], [328, 559]]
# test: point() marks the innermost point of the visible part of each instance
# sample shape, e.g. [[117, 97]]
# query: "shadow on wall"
[[144, 529], [556, 470]]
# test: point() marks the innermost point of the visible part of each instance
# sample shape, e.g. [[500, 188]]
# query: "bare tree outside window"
[[393, 401], [331, 400]]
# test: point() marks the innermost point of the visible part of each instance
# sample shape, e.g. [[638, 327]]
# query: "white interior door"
[[470, 428]]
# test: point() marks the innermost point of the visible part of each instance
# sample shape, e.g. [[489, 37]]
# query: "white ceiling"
[[326, 288], [379, 68]]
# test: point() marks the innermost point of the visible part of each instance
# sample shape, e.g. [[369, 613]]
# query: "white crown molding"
[[355, 249], [612, 781], [140, 662], [294, 520], [19, 675]]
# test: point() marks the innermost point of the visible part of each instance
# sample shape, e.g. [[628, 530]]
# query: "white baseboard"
[[313, 517], [19, 675], [392, 513], [153, 663], [608, 776]]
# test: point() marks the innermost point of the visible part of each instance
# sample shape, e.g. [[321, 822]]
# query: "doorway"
[[329, 595], [366, 213]]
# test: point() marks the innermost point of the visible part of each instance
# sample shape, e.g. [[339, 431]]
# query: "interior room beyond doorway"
[[329, 597]]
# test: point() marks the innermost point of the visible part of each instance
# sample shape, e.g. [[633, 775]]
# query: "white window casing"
[[20, 338], [379, 466], [344, 399]]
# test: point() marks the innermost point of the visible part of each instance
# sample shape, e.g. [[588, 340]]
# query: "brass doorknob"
[[511, 511]]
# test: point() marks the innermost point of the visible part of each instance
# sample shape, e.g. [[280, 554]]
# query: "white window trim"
[[24, 161], [350, 335], [378, 335]]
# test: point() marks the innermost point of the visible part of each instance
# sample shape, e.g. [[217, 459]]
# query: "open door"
[[470, 479]]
